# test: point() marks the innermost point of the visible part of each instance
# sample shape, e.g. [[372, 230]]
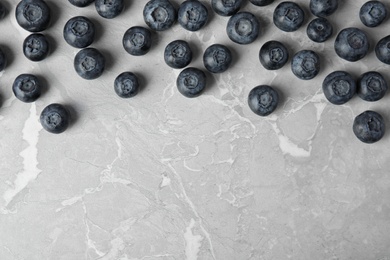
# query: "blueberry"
[[137, 40], [339, 87], [323, 8], [372, 13], [81, 3], [351, 44], [288, 16], [217, 58], [191, 82], [192, 15], [243, 28], [305, 64], [369, 127], [371, 86], [3, 60], [261, 2], [226, 7], [126, 85], [36, 47], [55, 118], [27, 88], [3, 11], [89, 63], [263, 100], [319, 30], [382, 50], [33, 15], [109, 9], [178, 54], [159, 15], [273, 55], [79, 32]]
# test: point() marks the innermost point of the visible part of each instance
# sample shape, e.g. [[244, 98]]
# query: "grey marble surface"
[[161, 176]]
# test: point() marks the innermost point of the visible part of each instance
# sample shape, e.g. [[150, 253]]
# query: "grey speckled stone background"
[[164, 177]]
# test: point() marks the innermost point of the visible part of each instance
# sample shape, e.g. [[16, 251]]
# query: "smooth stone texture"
[[161, 176]]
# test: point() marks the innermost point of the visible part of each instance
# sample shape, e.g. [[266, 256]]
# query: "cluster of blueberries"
[[242, 28]]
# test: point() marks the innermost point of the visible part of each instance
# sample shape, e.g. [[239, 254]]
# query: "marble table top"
[[161, 176]]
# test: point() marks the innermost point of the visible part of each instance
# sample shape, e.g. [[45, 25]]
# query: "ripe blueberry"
[[178, 54], [263, 100], [339, 87], [33, 15], [192, 15], [217, 58], [191, 82], [382, 50], [372, 86], [109, 8], [226, 7], [81, 3], [273, 55], [27, 88], [243, 28], [55, 118], [372, 13], [126, 85], [79, 32], [351, 44], [323, 8], [261, 2], [369, 127], [288, 16], [137, 40], [159, 15], [36, 47], [319, 30], [89, 63], [305, 64]]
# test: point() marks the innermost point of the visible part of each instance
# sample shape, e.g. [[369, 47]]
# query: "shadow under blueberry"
[[99, 30], [43, 83], [142, 80], [53, 45], [7, 8], [210, 80], [109, 59], [9, 55], [74, 115], [55, 12]]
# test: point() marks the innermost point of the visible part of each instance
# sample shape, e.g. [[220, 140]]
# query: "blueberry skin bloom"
[[372, 86], [126, 85], [305, 64], [109, 9], [323, 8], [273, 55], [369, 127], [36, 47], [191, 82], [3, 60], [81, 3], [339, 87], [217, 58], [192, 15], [319, 30], [372, 13], [137, 40], [351, 44], [27, 88], [33, 15], [288, 16], [159, 15], [79, 32], [226, 7], [178, 54], [263, 100], [382, 50], [55, 118], [261, 2], [243, 28], [89, 63]]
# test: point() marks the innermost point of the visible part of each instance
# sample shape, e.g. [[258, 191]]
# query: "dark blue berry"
[[137, 40], [81, 3], [79, 32], [369, 127], [109, 9], [373, 13], [261, 2], [55, 118], [89, 63], [36, 47], [126, 85], [351, 44], [273, 55], [178, 54], [27, 88], [288, 16], [305, 64], [3, 60], [263, 100], [159, 15], [372, 86], [192, 15], [339, 87], [323, 8], [382, 50], [226, 7], [217, 58], [33, 15], [243, 28], [319, 30], [191, 82]]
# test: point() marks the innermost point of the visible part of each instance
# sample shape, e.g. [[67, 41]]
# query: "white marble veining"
[[161, 176]]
